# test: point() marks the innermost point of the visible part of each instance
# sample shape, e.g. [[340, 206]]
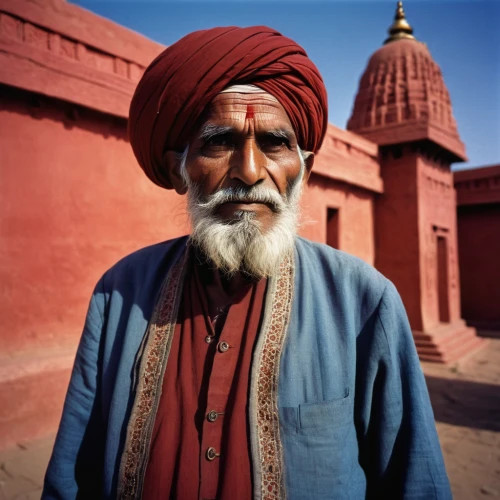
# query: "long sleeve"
[[399, 446], [75, 468]]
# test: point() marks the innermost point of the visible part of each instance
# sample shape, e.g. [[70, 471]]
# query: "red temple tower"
[[403, 105]]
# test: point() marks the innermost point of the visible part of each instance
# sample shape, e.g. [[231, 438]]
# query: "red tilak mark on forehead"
[[250, 112]]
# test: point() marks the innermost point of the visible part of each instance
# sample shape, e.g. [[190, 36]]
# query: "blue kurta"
[[338, 405]]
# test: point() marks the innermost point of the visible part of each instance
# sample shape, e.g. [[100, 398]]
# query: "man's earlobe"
[[172, 162], [309, 163]]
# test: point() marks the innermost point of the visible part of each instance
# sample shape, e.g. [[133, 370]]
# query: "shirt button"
[[212, 416], [212, 454], [209, 339], [223, 346]]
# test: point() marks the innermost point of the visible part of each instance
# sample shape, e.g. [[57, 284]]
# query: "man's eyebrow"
[[280, 133], [211, 130]]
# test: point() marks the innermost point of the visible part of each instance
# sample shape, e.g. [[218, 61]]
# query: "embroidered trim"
[[267, 419], [152, 367]]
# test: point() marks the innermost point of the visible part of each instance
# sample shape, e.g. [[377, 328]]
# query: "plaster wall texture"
[[479, 249], [355, 215], [74, 203], [396, 230], [61, 50], [345, 177], [478, 211], [437, 219], [418, 206], [416, 247], [73, 200], [478, 186]]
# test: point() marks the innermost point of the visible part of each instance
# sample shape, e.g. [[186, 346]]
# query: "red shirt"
[[200, 444]]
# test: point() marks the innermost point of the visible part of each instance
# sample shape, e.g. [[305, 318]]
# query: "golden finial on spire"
[[400, 28]]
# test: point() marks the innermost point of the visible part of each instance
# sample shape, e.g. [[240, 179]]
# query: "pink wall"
[[479, 250], [355, 207], [74, 201], [437, 218], [416, 247], [478, 199], [346, 177], [396, 231]]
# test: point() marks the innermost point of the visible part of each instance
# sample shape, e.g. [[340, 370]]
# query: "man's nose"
[[248, 163]]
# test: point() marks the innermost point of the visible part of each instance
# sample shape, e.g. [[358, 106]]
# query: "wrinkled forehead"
[[241, 102]]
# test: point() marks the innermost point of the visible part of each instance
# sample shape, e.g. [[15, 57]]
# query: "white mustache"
[[242, 245], [254, 194]]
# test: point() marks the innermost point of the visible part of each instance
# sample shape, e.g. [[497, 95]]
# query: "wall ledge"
[[66, 52]]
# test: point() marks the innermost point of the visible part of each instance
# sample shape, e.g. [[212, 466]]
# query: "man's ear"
[[309, 163], [172, 162]]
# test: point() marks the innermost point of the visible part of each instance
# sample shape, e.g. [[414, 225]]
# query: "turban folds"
[[185, 77]]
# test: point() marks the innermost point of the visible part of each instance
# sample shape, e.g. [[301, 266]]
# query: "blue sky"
[[340, 36]]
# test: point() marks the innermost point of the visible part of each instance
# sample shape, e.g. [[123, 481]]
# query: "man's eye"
[[273, 142], [218, 141]]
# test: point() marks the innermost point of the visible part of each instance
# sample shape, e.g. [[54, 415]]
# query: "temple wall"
[[341, 192], [355, 216], [396, 229], [73, 202], [416, 247], [437, 220], [478, 213], [73, 199]]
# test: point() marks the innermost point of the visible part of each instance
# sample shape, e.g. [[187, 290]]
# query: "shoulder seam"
[[379, 318], [376, 310], [100, 285]]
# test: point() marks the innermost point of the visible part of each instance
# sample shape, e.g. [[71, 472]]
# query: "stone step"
[[441, 332], [469, 347], [446, 342], [452, 351]]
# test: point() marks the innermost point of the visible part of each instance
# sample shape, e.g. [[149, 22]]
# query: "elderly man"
[[242, 361]]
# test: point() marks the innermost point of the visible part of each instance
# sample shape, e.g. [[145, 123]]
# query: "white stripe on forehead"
[[243, 89]]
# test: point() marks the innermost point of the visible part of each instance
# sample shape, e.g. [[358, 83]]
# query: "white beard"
[[241, 244]]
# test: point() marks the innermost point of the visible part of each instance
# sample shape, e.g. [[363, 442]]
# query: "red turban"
[[186, 76]]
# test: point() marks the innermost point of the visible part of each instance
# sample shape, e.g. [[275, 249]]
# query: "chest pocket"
[[310, 417], [320, 448], [332, 414]]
